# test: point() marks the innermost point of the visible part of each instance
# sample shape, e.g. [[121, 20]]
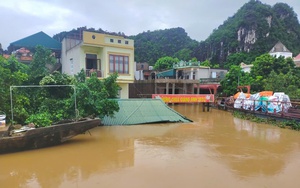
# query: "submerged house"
[[100, 53], [143, 111]]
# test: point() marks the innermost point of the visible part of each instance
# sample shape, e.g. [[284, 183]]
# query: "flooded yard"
[[215, 150]]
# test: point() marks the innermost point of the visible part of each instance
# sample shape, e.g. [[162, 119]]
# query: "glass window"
[[118, 63], [111, 63]]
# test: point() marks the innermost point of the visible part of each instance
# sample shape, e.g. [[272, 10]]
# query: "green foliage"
[[287, 83], [238, 58], [206, 63], [12, 73], [234, 78], [275, 74], [150, 46], [57, 78], [111, 86], [38, 68], [268, 73], [262, 24], [95, 96], [253, 30], [40, 120], [165, 63], [292, 124], [184, 54]]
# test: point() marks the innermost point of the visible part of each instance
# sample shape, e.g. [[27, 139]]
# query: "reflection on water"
[[268, 134], [214, 150]]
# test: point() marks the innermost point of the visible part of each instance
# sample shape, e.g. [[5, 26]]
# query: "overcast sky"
[[20, 19]]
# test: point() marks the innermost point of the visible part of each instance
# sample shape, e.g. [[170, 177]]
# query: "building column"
[[173, 88], [198, 88], [167, 88]]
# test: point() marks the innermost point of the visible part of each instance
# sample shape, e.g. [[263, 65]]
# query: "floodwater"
[[216, 150]]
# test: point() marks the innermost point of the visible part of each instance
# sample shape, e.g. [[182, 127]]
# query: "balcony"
[[89, 72]]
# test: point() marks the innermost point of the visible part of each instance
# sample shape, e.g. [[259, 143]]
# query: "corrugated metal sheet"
[[141, 111], [39, 38]]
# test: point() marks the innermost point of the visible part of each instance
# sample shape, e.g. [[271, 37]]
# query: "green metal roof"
[[141, 111], [39, 38]]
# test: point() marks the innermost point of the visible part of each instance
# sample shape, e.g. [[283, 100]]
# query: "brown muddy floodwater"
[[216, 150]]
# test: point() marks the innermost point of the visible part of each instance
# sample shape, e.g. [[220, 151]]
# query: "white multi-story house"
[[100, 53], [280, 50]]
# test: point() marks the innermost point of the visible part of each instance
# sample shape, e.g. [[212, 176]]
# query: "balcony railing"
[[89, 72]]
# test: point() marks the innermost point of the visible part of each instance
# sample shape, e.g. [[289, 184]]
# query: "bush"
[[40, 120]]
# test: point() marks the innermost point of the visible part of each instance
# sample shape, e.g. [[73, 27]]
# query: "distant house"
[[202, 77], [280, 50], [23, 55], [100, 53], [24, 48], [297, 60], [32, 41], [245, 67], [143, 71]]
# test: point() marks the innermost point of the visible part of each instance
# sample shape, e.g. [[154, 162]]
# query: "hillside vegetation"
[[253, 30]]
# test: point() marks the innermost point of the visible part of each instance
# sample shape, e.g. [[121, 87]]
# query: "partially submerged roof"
[[39, 38], [142, 111]]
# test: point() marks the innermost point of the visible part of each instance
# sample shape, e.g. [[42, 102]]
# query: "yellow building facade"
[[100, 53]]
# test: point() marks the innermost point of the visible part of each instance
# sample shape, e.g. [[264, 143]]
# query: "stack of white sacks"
[[273, 104]]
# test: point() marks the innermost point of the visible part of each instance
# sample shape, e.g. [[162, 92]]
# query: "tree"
[[183, 54], [287, 83], [234, 78], [12, 73], [165, 63], [93, 98], [38, 68], [237, 59], [96, 96], [266, 64], [206, 63]]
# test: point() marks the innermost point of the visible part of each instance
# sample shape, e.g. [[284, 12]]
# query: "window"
[[119, 41], [126, 42], [119, 64], [111, 40], [91, 61]]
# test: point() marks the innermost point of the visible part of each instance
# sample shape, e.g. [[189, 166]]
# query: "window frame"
[[119, 64]]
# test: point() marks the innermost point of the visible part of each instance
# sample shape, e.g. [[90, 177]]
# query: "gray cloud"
[[198, 17]]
